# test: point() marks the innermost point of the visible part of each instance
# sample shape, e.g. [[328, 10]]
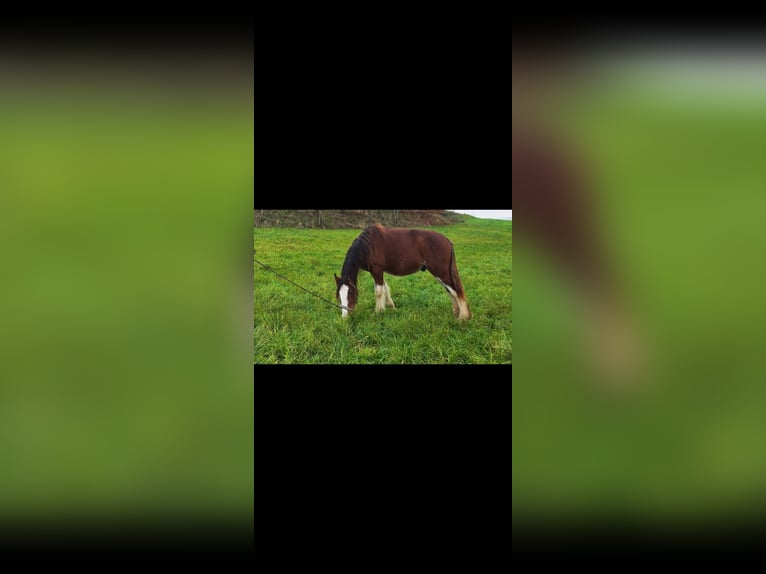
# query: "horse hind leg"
[[459, 304], [452, 295], [464, 312], [455, 306], [453, 299]]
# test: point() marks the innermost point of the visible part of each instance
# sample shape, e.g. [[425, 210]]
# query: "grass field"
[[125, 388], [683, 205], [292, 326]]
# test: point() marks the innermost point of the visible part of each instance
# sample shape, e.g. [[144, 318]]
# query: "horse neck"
[[350, 273], [357, 257], [350, 270]]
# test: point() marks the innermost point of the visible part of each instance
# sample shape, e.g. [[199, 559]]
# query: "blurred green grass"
[[680, 194], [125, 305]]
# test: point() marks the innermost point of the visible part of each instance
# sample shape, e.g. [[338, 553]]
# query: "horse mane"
[[359, 253]]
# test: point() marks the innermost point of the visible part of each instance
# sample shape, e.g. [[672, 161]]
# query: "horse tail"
[[453, 273]]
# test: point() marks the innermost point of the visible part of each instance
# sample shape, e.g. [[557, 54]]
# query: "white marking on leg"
[[465, 313], [388, 295], [344, 300], [450, 290], [459, 306], [380, 298]]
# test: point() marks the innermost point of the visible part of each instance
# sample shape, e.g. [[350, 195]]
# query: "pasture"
[[682, 181], [125, 388], [294, 327]]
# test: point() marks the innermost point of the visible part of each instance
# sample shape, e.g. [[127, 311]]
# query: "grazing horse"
[[399, 251]]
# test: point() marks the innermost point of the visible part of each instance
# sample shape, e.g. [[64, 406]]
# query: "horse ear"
[[337, 279]]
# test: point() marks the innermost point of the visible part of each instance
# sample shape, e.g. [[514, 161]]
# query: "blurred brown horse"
[[554, 188], [399, 251]]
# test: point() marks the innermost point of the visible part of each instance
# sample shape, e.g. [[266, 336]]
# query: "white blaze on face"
[[344, 299]]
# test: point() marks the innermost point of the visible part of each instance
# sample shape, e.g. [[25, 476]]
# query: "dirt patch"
[[354, 218]]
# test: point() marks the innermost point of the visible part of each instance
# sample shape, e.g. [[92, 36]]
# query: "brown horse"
[[557, 196], [399, 251]]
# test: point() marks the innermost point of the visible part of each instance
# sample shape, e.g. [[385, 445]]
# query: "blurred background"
[[639, 172], [126, 178]]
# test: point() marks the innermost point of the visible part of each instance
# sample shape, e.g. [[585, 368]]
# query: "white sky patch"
[[487, 213], [691, 74]]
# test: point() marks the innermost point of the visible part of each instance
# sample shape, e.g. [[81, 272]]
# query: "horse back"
[[408, 250]]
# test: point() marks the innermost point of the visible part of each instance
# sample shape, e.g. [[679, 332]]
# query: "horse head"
[[346, 294]]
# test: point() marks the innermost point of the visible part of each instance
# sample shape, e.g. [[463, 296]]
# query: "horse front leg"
[[389, 301], [380, 291], [380, 298]]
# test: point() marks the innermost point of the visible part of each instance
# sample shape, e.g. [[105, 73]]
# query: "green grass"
[[293, 327], [682, 202], [120, 391]]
